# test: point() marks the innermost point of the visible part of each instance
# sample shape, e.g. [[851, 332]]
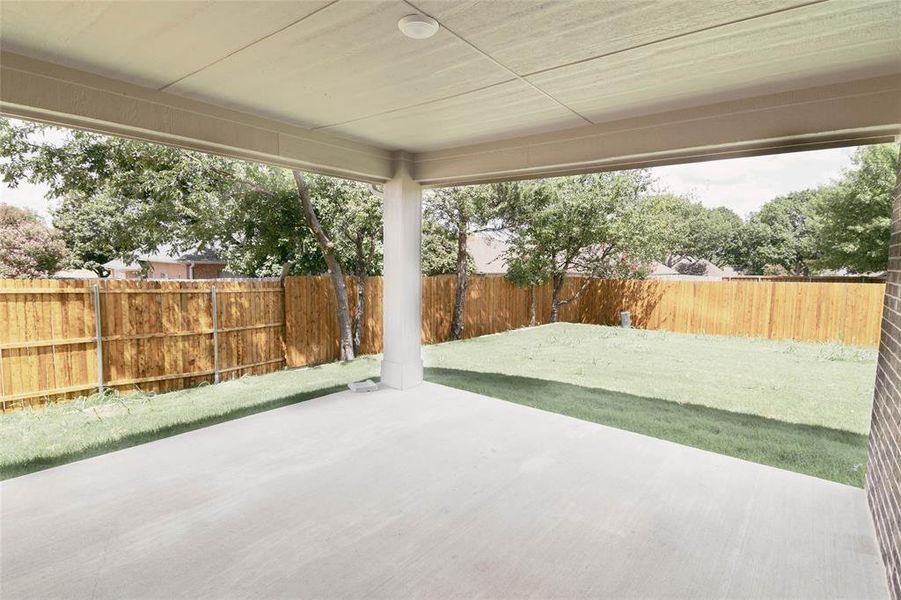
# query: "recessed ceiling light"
[[418, 27]]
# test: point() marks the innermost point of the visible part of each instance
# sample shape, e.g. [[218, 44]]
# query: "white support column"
[[402, 312]]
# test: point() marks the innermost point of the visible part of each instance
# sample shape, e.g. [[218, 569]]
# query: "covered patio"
[[430, 493], [421, 491]]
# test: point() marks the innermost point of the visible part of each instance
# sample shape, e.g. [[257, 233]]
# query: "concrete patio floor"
[[429, 493]]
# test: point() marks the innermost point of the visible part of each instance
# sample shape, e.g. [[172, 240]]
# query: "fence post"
[[215, 335], [95, 291], [284, 282]]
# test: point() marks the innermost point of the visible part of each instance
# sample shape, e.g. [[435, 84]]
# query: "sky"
[[742, 184], [745, 184]]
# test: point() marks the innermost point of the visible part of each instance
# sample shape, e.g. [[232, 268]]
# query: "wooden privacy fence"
[[64, 338], [167, 335], [849, 313]]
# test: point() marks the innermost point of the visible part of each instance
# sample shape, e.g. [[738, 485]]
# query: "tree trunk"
[[359, 311], [360, 305], [533, 306], [462, 281], [334, 267], [555, 297]]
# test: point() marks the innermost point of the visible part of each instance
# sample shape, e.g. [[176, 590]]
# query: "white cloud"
[[745, 184]]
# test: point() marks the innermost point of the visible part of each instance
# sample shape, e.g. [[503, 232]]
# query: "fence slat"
[[99, 334]]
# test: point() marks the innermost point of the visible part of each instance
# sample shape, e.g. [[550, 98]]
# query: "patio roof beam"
[[859, 112], [843, 114], [41, 91]]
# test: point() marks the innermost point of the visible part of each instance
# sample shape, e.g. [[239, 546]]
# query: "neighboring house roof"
[[487, 253], [206, 257], [118, 265], [730, 272], [710, 269], [661, 271], [75, 274]]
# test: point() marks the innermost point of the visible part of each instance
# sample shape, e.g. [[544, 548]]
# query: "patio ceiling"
[[335, 87]]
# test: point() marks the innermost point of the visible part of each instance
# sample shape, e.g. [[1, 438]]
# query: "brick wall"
[[884, 468]]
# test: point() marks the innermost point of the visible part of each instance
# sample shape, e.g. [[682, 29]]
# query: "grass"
[[799, 406], [35, 439]]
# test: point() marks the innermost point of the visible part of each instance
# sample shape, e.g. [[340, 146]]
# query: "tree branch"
[[246, 183], [579, 292]]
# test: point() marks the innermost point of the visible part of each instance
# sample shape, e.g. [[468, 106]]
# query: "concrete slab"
[[430, 493]]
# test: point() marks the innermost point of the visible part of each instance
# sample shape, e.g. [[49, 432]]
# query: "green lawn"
[[798, 406]]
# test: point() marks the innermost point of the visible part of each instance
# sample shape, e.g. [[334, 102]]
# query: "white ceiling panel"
[[819, 44], [512, 108], [150, 43], [345, 62], [529, 36]]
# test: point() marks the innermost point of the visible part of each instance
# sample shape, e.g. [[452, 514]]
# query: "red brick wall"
[[884, 467]]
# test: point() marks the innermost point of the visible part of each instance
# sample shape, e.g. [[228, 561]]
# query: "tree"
[[692, 232], [461, 212], [353, 214], [28, 248], [855, 214], [118, 197], [780, 237], [439, 249], [334, 266], [591, 225], [528, 270]]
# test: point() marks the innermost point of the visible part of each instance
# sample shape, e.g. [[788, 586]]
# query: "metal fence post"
[[215, 335], [99, 333]]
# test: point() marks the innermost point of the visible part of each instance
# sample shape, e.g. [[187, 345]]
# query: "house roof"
[[120, 265], [712, 272], [335, 87], [205, 257], [658, 269], [75, 274]]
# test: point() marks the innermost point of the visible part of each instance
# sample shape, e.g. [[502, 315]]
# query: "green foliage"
[[28, 248], [841, 226], [856, 213], [351, 213], [596, 225], [439, 249], [450, 216], [117, 198], [780, 238], [465, 209], [691, 231]]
